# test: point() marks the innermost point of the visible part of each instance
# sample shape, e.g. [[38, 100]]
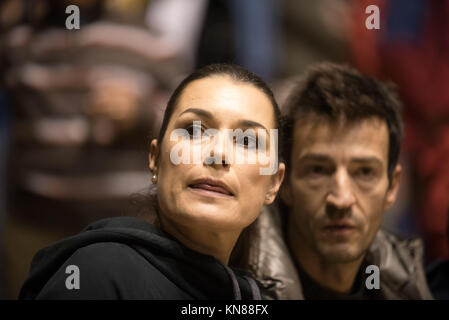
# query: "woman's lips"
[[210, 190]]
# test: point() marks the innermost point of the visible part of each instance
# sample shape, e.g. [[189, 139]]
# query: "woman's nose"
[[217, 150]]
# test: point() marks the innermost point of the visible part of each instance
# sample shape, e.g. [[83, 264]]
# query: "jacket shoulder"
[[401, 263]]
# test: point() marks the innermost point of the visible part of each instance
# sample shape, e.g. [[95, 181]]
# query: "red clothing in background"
[[411, 48]]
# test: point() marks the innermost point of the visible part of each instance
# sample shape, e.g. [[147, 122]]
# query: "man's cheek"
[[307, 197], [298, 189]]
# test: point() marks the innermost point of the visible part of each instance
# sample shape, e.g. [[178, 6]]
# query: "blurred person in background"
[[257, 31], [313, 31], [276, 39], [411, 48], [248, 33]]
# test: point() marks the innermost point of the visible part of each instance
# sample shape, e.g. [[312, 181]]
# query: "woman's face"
[[217, 196]]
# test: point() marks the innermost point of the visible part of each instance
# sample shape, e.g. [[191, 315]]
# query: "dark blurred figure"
[[4, 139], [313, 31], [412, 49], [438, 275], [257, 31], [244, 32], [310, 32]]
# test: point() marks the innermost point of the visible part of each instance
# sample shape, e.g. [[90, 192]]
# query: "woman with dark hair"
[[205, 197]]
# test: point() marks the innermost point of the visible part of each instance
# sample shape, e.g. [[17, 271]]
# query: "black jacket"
[[438, 278], [128, 258]]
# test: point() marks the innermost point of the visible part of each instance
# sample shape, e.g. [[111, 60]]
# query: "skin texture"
[[338, 190], [205, 222]]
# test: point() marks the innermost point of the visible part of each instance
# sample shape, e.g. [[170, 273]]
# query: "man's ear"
[[153, 156], [276, 181], [392, 192]]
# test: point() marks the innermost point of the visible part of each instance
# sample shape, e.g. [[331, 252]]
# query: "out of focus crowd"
[[78, 107]]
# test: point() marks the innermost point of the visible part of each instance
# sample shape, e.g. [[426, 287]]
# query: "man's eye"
[[365, 172], [319, 170]]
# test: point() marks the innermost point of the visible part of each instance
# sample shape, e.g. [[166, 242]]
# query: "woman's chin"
[[211, 216]]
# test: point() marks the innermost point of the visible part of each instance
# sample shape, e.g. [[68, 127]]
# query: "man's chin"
[[340, 253]]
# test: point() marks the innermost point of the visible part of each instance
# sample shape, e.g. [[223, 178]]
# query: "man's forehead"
[[357, 138]]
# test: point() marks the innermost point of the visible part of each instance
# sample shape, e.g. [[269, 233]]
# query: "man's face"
[[337, 187]]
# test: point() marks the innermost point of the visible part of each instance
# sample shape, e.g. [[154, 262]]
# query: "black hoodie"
[[128, 258]]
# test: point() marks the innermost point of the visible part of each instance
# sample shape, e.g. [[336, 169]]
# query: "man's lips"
[[339, 227]]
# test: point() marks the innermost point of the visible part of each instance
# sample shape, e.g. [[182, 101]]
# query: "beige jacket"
[[400, 263]]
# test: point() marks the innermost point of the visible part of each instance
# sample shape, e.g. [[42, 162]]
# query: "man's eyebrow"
[[322, 157], [314, 157], [366, 160], [199, 112]]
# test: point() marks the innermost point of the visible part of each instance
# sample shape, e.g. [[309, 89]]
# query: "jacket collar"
[[400, 262]]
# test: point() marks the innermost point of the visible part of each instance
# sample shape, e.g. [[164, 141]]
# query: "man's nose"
[[341, 195]]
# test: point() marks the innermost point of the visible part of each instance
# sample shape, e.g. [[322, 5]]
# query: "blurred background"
[[78, 108]]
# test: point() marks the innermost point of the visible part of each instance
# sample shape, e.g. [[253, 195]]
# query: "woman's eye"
[[248, 141], [195, 131]]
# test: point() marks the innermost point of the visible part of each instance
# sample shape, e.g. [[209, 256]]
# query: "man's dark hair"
[[339, 92]]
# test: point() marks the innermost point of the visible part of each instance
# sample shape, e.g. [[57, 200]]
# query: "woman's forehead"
[[227, 100]]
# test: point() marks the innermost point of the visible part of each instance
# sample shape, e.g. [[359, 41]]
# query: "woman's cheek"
[[252, 183]]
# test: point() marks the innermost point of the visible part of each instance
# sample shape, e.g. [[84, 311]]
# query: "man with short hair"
[[324, 241]]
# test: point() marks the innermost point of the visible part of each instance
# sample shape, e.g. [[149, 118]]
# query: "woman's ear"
[[153, 156], [275, 184]]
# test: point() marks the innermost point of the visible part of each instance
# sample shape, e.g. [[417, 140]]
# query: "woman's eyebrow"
[[241, 123], [199, 112], [250, 123]]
